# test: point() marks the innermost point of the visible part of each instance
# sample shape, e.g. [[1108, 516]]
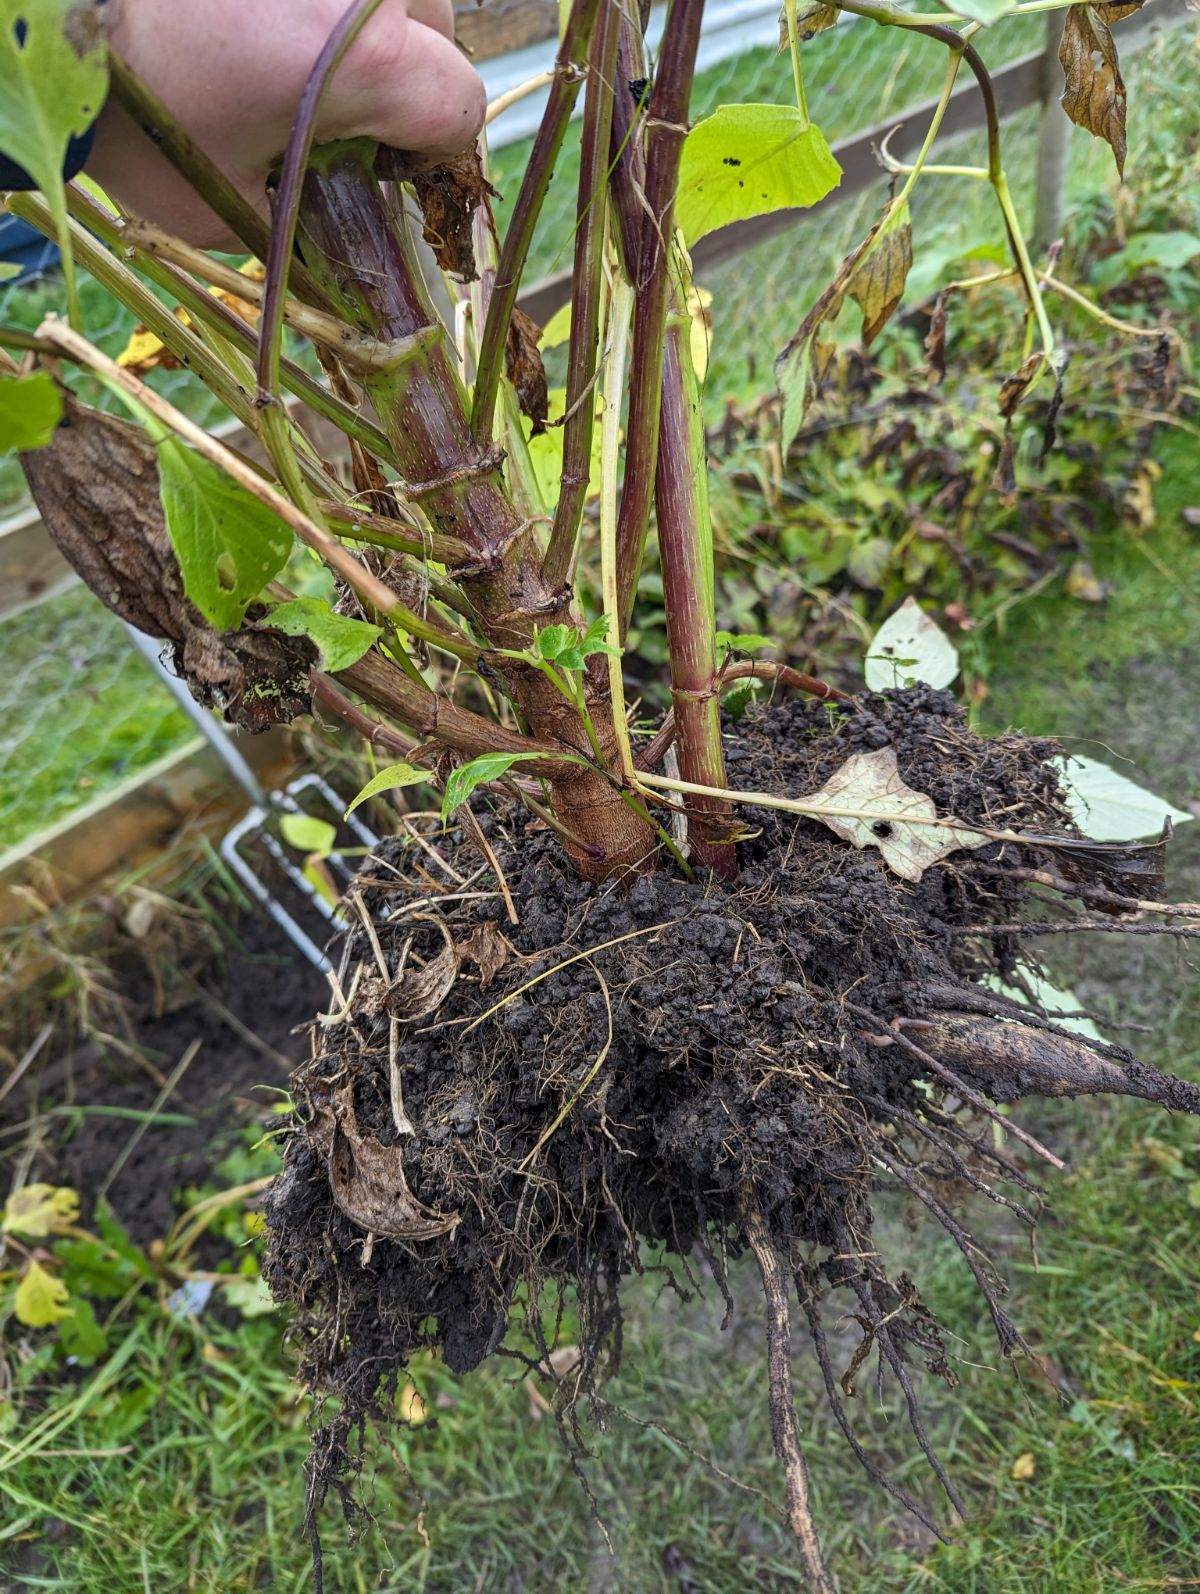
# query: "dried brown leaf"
[[1094, 96], [423, 987], [488, 949], [935, 338], [877, 282], [811, 19], [449, 195], [367, 1177], [867, 803], [524, 368], [96, 488], [1015, 386]]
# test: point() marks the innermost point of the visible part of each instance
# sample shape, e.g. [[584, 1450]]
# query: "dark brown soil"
[[262, 985], [685, 1065]]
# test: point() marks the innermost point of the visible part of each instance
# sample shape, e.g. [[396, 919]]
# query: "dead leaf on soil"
[[423, 989], [488, 950], [367, 1177], [1094, 96], [867, 803]]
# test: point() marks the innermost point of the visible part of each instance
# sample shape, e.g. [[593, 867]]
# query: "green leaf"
[[53, 65], [595, 639], [745, 160], [983, 11], [1111, 807], [390, 779], [909, 647], [80, 1335], [228, 544], [463, 780], [308, 834], [340, 640], [553, 641], [30, 409], [741, 641], [9, 270], [41, 1298]]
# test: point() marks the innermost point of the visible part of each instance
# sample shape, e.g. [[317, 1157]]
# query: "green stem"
[[789, 12], [1024, 264], [952, 67], [570, 69], [587, 294]]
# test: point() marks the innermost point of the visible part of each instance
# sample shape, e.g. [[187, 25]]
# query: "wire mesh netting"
[[80, 711]]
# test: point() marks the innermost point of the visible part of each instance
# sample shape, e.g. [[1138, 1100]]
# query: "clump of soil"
[[674, 1064]]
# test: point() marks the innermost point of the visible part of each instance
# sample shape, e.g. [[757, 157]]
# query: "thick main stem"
[[357, 247]]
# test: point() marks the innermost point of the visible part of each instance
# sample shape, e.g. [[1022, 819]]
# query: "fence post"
[[1054, 132]]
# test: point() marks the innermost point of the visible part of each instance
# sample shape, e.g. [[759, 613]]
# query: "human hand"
[[232, 72]]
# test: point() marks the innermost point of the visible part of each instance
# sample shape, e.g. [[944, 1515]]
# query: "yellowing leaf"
[[745, 160], [411, 1406], [877, 282], [144, 351], [1094, 95], [1024, 1467], [698, 302], [41, 1298], [40, 1210], [867, 803], [558, 329]]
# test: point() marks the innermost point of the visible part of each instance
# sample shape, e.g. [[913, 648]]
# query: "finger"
[[409, 87]]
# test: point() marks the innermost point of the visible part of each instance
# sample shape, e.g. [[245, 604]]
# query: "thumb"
[[407, 85]]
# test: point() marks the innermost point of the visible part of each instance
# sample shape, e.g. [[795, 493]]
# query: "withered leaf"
[[803, 365], [1094, 96], [811, 18], [1004, 477], [1117, 10], [867, 803], [524, 368], [423, 987], [96, 488], [449, 195], [935, 338], [367, 1177], [488, 949], [1015, 386], [877, 282]]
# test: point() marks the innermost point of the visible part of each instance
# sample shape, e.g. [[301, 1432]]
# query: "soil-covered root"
[[675, 1065]]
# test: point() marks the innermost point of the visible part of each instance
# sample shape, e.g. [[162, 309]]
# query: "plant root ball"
[[674, 1063]]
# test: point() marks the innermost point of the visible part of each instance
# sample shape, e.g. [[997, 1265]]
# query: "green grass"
[[80, 711]]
